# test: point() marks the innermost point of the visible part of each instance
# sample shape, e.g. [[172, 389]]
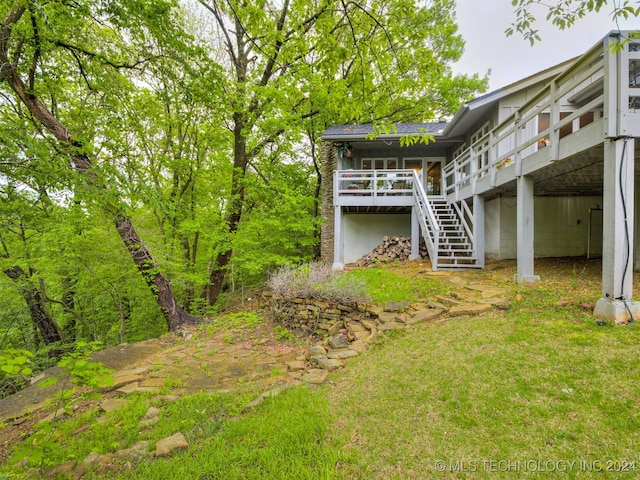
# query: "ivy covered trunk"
[[174, 315], [35, 300]]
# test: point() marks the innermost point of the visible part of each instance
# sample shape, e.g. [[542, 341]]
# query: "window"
[[379, 163], [413, 164], [544, 123]]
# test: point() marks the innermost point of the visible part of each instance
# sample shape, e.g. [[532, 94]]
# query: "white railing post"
[[554, 119], [473, 160], [427, 220], [517, 155]]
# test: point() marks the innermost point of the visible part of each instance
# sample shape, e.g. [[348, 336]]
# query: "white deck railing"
[[578, 92], [428, 221], [373, 188], [373, 183]]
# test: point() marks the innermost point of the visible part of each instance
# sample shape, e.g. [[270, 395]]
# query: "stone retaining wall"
[[317, 316]]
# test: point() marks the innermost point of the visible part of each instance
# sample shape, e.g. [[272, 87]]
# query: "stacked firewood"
[[391, 248]]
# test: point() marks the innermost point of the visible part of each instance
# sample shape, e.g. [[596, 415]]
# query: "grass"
[[283, 438], [528, 392], [542, 384], [387, 285]]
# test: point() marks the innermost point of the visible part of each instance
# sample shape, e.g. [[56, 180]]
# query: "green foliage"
[[83, 371], [15, 368], [14, 362], [44, 445], [189, 137], [565, 13], [385, 285], [239, 319], [281, 333], [232, 324]]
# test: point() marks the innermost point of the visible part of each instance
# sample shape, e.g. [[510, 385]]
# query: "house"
[[541, 168]]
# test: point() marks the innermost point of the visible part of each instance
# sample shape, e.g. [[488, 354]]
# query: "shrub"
[[317, 280]]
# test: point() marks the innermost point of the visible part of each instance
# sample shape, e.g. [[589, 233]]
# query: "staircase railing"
[[467, 219], [428, 222]]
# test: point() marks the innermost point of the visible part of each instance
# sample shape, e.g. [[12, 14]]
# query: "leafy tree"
[[564, 13], [66, 62], [298, 65], [111, 116]]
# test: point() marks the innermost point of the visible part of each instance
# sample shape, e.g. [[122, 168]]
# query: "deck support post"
[[338, 240], [478, 229], [525, 231], [617, 243], [415, 235]]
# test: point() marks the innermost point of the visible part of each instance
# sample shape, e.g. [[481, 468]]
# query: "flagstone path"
[[198, 362]]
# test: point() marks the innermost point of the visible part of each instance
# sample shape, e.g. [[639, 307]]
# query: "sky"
[[482, 24]]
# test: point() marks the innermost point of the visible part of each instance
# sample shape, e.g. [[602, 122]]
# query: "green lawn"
[[484, 397], [538, 391]]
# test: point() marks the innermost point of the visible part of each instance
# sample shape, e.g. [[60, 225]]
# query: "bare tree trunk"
[[68, 301], [234, 214], [316, 198], [34, 297], [174, 315]]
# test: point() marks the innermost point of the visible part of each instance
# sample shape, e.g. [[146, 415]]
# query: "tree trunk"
[[234, 214], [68, 300], [42, 319], [174, 315], [159, 285], [316, 199]]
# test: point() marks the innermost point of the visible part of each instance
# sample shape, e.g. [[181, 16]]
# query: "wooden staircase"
[[455, 244]]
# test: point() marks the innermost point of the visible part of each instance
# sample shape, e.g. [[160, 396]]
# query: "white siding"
[[561, 227], [364, 232]]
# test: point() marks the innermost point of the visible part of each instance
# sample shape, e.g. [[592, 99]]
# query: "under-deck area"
[[544, 167]]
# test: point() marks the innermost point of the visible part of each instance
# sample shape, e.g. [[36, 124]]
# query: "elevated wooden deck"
[[595, 99]]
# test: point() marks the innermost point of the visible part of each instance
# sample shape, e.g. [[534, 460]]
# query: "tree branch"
[[7, 67], [88, 53], [216, 13], [36, 53]]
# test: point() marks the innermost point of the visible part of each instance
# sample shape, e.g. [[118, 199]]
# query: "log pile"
[[391, 248]]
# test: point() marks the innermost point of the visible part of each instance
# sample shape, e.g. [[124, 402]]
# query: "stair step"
[[458, 267], [450, 260], [455, 249]]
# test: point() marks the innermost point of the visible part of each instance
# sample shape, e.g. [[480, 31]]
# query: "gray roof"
[[351, 132]]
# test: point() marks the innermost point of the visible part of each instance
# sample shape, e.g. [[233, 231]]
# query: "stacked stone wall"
[[329, 159], [316, 316]]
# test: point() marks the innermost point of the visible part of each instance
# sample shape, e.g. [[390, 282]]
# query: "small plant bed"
[[316, 301]]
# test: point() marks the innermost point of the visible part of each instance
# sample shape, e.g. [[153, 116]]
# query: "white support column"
[[636, 221], [338, 240], [415, 235], [617, 244], [478, 229], [525, 231]]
